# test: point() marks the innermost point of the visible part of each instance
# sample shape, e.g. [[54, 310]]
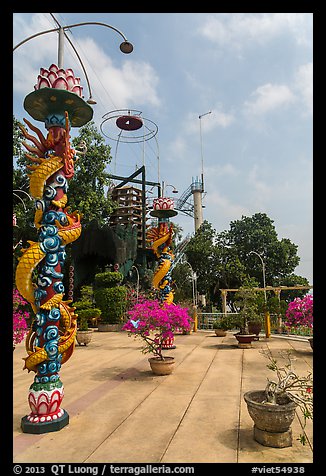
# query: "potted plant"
[[83, 334], [300, 314], [247, 303], [273, 409], [222, 325], [154, 322]]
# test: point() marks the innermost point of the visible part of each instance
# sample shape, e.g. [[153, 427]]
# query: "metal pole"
[[61, 47]]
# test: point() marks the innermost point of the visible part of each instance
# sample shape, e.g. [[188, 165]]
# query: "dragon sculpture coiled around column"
[[39, 278], [160, 238]]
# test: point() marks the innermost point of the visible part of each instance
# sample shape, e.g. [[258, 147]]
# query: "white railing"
[[207, 319]]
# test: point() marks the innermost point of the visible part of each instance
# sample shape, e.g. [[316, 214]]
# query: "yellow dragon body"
[[33, 260], [160, 238]]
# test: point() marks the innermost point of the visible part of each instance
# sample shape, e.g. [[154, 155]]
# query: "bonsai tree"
[[110, 296], [287, 382], [85, 308], [246, 302]]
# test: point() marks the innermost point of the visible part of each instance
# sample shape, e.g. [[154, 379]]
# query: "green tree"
[[23, 204], [223, 260], [257, 233], [87, 188]]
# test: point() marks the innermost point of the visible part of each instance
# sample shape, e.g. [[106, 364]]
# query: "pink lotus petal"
[[60, 83], [53, 67], [43, 83], [52, 77], [71, 81], [69, 72], [77, 90], [44, 72], [61, 72], [77, 80]]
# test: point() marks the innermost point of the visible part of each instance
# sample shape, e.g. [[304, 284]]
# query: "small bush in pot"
[[83, 334], [85, 307], [247, 304], [273, 408], [222, 325]]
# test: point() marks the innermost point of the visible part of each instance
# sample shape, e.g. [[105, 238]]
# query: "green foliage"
[[83, 324], [223, 260], [108, 279], [181, 276], [79, 305], [246, 301], [89, 313], [226, 322], [87, 186], [112, 302]]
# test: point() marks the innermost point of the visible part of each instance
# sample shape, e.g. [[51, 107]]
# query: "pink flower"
[[149, 316], [300, 312], [20, 328]]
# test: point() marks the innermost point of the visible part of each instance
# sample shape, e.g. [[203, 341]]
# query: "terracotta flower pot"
[[271, 422], [255, 327], [161, 367], [245, 340]]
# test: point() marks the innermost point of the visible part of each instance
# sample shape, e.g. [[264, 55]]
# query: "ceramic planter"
[[311, 342], [245, 340], [255, 327], [272, 423], [161, 367], [84, 337], [220, 332]]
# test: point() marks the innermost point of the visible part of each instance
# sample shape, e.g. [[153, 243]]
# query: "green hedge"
[[82, 305], [108, 279], [112, 302], [89, 313]]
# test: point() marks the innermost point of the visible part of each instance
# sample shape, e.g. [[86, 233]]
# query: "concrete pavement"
[[120, 412]]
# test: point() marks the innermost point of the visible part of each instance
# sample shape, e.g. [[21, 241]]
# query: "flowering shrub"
[[300, 312], [20, 327], [287, 382], [154, 322]]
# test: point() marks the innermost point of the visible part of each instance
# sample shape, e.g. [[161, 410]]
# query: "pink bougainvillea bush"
[[20, 327], [154, 322], [300, 313]]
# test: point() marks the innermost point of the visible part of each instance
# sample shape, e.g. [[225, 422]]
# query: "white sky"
[[252, 70]]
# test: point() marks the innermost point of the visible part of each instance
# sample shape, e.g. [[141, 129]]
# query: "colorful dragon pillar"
[[58, 102], [160, 238]]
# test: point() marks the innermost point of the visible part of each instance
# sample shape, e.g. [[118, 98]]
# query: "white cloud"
[[304, 85], [222, 170], [240, 29], [130, 83], [268, 98], [219, 208]]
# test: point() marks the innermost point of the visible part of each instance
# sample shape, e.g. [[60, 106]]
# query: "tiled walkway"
[[120, 412]]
